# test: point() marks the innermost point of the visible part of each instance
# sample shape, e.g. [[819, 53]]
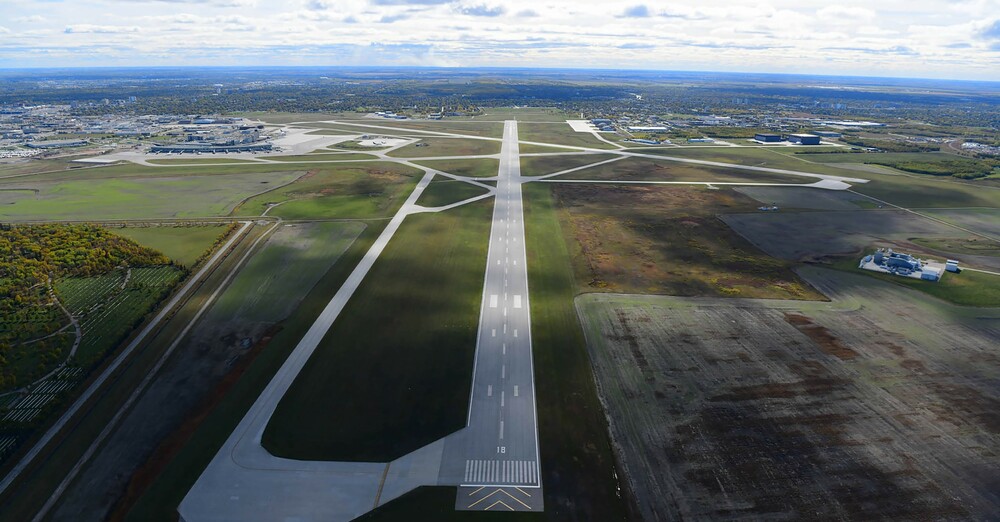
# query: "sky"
[[954, 39]]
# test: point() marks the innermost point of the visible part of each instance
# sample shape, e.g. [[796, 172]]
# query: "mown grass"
[[646, 169], [541, 165], [159, 502], [432, 147], [195, 161], [361, 190], [967, 288], [164, 196], [401, 350], [559, 134], [443, 192], [322, 157], [183, 245], [578, 466], [476, 168]]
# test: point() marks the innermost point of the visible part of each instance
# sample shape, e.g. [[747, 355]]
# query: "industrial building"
[[905, 265], [56, 144], [210, 148], [767, 138], [803, 139]]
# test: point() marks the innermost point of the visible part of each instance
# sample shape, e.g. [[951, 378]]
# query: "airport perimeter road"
[[500, 465]]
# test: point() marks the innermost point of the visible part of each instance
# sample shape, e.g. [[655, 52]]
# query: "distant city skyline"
[[914, 38]]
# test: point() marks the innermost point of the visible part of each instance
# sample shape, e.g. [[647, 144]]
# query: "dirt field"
[[668, 240], [814, 235], [881, 405], [254, 303]]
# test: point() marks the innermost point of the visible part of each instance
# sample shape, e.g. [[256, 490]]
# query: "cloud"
[[320, 5], [482, 10], [33, 19], [388, 19], [410, 2], [991, 32], [636, 11], [4, 30], [636, 46], [527, 13], [99, 29], [849, 14]]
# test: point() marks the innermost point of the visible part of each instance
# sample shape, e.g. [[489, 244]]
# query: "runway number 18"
[[501, 449]]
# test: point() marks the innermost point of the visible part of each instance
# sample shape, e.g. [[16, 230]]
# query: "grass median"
[[394, 371]]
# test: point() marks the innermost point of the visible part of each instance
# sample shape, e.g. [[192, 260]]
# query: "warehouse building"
[[767, 138], [210, 148], [803, 139], [56, 144]]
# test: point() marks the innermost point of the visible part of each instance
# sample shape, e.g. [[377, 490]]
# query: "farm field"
[[782, 409], [109, 314], [422, 293], [159, 197], [446, 191], [244, 319], [435, 147], [364, 190], [478, 168], [667, 240], [182, 244]]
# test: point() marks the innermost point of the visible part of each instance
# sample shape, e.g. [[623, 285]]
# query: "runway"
[[500, 459]]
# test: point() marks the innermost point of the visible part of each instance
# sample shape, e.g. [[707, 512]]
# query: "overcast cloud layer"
[[916, 38]]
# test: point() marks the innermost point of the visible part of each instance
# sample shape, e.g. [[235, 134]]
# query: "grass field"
[[982, 220], [283, 272], [194, 161], [486, 129], [643, 169], [433, 147], [559, 134], [365, 190], [350, 156], [183, 245], [158, 502], [668, 240], [477, 168], [447, 191], [967, 288], [164, 196], [531, 148], [972, 245], [402, 349], [541, 165]]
